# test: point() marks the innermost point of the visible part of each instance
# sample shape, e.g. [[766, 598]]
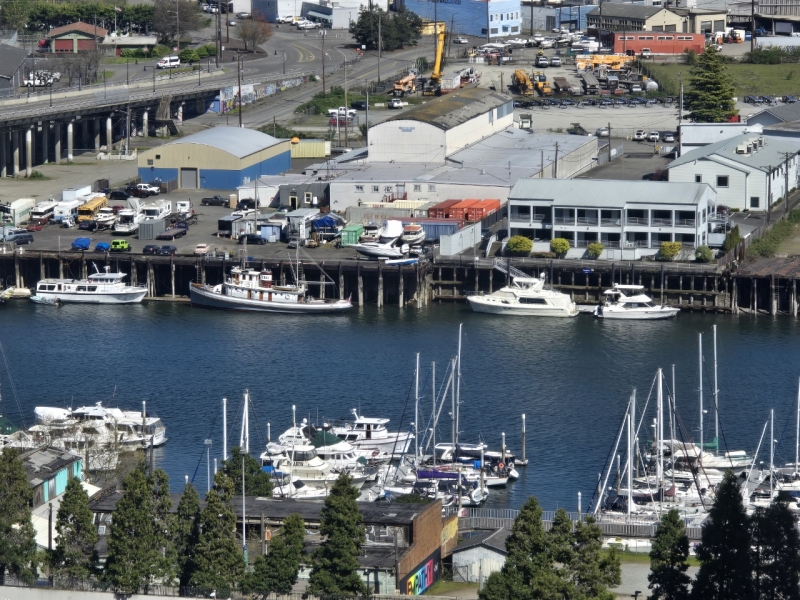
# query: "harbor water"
[[571, 377]]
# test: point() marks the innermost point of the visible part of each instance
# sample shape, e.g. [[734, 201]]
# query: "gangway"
[[504, 267]]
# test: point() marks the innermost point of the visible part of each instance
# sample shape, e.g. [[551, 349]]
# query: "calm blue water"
[[572, 377]]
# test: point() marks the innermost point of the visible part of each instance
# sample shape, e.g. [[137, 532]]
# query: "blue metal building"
[[470, 17]]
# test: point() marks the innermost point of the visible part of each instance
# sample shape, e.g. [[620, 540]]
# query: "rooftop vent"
[[742, 149]]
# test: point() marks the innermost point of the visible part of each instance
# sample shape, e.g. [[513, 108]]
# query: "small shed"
[[76, 37], [480, 555]]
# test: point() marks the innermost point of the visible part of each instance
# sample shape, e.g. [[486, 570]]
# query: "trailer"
[[18, 211], [225, 225], [43, 211], [174, 231], [66, 208], [561, 85], [590, 83]]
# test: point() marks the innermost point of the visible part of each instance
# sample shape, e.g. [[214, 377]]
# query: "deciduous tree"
[[711, 97], [256, 481], [668, 560], [17, 537], [15, 13], [335, 570], [74, 553], [724, 551], [775, 553], [168, 15], [397, 29], [277, 572], [254, 32]]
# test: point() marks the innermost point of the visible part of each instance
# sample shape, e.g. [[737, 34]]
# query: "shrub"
[[768, 245], [559, 245], [519, 244], [595, 249], [188, 55], [544, 255], [36, 175], [202, 52], [669, 250], [703, 254], [160, 51], [732, 239]]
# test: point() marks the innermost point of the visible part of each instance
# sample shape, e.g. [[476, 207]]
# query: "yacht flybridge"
[[619, 305], [525, 296]]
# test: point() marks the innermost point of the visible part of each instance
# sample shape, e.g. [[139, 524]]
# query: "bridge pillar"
[[145, 124], [109, 136], [97, 135], [29, 150], [45, 144], [57, 142], [85, 134], [3, 153], [70, 143], [15, 151]]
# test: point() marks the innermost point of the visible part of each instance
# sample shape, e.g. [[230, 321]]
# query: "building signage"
[[423, 576], [407, 129]]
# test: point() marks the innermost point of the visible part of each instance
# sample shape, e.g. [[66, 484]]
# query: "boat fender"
[[502, 466]]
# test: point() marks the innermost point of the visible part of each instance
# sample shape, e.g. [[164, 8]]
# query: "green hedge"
[[595, 249], [768, 245], [559, 245]]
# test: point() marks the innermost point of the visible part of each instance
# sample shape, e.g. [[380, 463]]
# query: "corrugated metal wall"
[[450, 245]]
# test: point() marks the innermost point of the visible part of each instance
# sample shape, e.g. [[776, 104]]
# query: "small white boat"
[[370, 437], [376, 250], [372, 233], [46, 301], [636, 307], [14, 293], [413, 233], [392, 232], [525, 296], [128, 219], [105, 217]]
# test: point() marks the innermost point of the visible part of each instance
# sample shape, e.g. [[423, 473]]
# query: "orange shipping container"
[[440, 210], [478, 211], [459, 211]]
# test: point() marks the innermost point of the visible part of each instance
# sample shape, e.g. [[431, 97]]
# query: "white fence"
[[469, 237]]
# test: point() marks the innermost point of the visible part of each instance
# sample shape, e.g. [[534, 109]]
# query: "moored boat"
[[636, 307], [525, 296], [99, 288], [413, 234]]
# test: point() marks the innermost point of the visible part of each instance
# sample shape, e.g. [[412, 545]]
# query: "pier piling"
[[380, 284], [400, 284], [341, 282], [360, 286], [172, 273]]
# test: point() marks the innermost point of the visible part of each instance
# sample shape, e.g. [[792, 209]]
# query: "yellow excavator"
[[405, 86], [522, 82], [433, 88]]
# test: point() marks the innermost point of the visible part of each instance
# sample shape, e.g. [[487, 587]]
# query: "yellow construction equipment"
[[433, 88], [405, 86], [522, 82], [615, 62]]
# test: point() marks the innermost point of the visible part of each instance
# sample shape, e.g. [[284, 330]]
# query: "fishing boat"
[[388, 245], [254, 290], [619, 305], [369, 436], [525, 296], [100, 288], [413, 234]]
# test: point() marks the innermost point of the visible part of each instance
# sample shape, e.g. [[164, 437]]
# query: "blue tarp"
[[81, 244], [326, 221]]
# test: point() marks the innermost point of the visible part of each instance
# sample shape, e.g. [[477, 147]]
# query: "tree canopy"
[[668, 560], [257, 482], [397, 29], [44, 15], [186, 533], [17, 537], [711, 97], [775, 556], [254, 32], [168, 15], [74, 553], [277, 571]]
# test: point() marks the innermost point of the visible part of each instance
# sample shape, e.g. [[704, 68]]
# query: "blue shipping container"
[[269, 230]]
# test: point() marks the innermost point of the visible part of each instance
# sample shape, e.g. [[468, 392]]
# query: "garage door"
[[189, 179]]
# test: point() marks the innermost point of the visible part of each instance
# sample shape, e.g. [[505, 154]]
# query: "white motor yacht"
[[128, 219], [100, 288], [413, 234], [388, 245], [618, 305], [301, 461], [105, 217], [370, 437], [156, 210], [285, 486], [525, 296], [372, 233]]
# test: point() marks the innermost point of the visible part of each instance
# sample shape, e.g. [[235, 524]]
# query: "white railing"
[[564, 221], [660, 221], [685, 222], [636, 221], [609, 222], [587, 220]]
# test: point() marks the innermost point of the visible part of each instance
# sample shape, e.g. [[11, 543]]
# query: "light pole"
[[207, 444], [50, 85], [127, 78], [323, 61], [284, 63]]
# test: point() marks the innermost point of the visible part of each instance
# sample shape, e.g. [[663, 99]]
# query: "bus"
[[88, 210]]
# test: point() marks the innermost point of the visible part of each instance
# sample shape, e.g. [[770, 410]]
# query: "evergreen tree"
[[257, 482], [335, 570], [529, 572], [594, 570], [711, 97], [724, 551], [277, 572], [397, 29], [668, 578], [163, 526], [775, 553], [74, 553], [17, 537], [219, 559], [186, 533]]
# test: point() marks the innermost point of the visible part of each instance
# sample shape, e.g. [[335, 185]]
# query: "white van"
[[169, 62]]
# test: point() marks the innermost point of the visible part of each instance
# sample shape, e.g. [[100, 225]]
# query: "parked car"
[[359, 105], [502, 234], [34, 227], [555, 61], [19, 238], [601, 132], [243, 15], [760, 31], [640, 135], [646, 53], [230, 23], [307, 25], [542, 61], [214, 201], [102, 247], [246, 204], [81, 243], [167, 250], [460, 40], [654, 136], [151, 249], [150, 189], [87, 225], [395, 103], [752, 99], [67, 222], [201, 249], [120, 246], [252, 238], [668, 137], [117, 207], [119, 194], [789, 99]]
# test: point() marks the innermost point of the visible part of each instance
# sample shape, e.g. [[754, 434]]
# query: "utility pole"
[[752, 25], [769, 193], [609, 142], [219, 37], [323, 62], [128, 131], [380, 45], [555, 164], [786, 185], [239, 83], [488, 23], [346, 109]]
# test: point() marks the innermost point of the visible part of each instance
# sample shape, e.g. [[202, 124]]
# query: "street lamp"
[[50, 86], [127, 78], [284, 63]]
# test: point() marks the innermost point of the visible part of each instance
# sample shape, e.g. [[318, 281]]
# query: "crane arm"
[[437, 66]]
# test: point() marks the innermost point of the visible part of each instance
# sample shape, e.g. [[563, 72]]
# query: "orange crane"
[[405, 86]]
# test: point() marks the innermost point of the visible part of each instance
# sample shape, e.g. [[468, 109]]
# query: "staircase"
[[504, 267]]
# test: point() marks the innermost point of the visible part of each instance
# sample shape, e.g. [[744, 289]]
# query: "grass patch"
[[117, 60], [643, 558], [748, 79], [37, 176], [769, 244], [442, 586], [320, 103]]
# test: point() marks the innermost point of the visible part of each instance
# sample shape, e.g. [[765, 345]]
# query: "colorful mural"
[[228, 97], [423, 576]]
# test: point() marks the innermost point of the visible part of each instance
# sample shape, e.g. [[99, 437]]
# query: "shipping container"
[[422, 211], [271, 232], [480, 209], [439, 211], [409, 204], [149, 230], [241, 227], [308, 149], [74, 193], [351, 234], [459, 211], [365, 214]]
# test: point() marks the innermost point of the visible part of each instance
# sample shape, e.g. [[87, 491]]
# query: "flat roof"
[[791, 126], [608, 193], [630, 11], [42, 464], [11, 58], [771, 155], [238, 141], [456, 108]]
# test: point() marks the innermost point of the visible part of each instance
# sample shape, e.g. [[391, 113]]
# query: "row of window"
[[376, 189], [504, 17]]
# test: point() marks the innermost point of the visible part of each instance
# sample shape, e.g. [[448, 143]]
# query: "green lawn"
[[442, 586], [772, 80]]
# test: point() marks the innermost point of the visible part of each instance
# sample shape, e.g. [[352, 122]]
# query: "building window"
[[754, 202], [722, 181], [514, 29], [307, 197], [376, 188], [158, 157], [494, 30], [149, 162], [359, 188], [387, 189], [698, 179], [417, 187], [431, 187]]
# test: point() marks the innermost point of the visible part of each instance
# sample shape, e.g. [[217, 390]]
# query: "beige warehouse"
[[220, 158]]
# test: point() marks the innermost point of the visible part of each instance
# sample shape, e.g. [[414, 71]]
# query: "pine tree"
[[775, 553], [219, 560], [74, 553], [165, 567], [17, 537], [724, 551], [187, 532], [594, 569], [711, 96], [335, 570], [257, 482], [668, 560], [277, 572]]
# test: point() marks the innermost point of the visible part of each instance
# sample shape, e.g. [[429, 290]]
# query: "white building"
[[630, 218], [480, 555], [697, 135], [748, 172]]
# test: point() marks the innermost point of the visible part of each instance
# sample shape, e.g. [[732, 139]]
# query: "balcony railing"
[[539, 217], [685, 222], [587, 220], [660, 221], [516, 216], [609, 222], [637, 244], [564, 220], [584, 243], [610, 243]]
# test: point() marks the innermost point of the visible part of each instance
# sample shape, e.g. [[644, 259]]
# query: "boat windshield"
[[304, 455]]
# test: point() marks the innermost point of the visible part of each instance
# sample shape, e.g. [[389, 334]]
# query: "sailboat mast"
[[660, 427], [716, 393], [630, 461], [672, 411], [635, 441], [458, 382], [453, 405], [797, 433], [224, 429], [700, 374], [416, 410], [433, 412], [771, 448]]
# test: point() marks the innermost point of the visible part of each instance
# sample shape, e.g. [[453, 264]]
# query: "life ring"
[[502, 466]]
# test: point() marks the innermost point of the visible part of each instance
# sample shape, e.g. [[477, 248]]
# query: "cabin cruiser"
[[128, 219], [389, 244], [370, 437], [525, 296], [286, 486], [301, 461], [100, 288], [372, 233], [413, 234], [105, 217], [636, 307], [254, 290]]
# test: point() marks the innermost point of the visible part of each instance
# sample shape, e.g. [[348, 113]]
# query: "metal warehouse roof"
[[608, 193], [239, 142], [493, 540], [10, 60], [785, 112], [629, 11], [454, 109], [771, 155]]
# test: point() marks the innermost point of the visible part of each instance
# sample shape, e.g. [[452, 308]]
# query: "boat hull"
[[652, 314], [480, 305], [205, 296], [132, 297]]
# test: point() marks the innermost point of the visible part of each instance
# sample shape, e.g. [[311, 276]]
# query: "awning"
[[317, 15]]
